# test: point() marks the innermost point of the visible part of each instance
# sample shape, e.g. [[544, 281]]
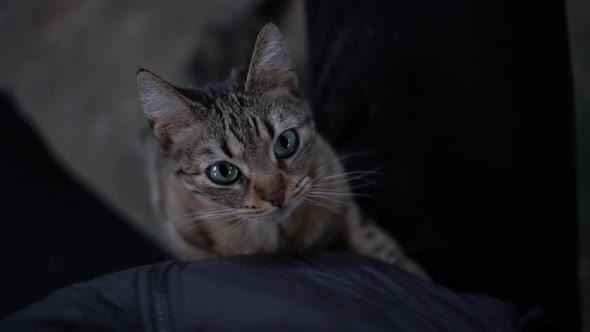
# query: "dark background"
[[70, 64]]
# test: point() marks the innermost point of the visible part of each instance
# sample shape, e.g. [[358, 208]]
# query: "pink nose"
[[276, 198]]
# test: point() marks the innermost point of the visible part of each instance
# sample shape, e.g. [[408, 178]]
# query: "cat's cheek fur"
[[230, 196]]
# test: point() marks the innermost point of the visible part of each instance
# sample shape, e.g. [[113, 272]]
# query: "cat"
[[237, 168]]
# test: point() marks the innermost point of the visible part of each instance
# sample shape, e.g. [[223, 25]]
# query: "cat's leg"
[[367, 238]]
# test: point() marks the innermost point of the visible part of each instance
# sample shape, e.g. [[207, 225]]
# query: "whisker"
[[329, 207], [343, 157], [197, 220], [201, 213], [323, 186], [340, 202], [340, 179], [210, 219], [346, 174], [234, 226], [344, 184], [336, 193], [333, 183]]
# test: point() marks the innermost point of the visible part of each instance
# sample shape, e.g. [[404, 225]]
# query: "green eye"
[[286, 144], [223, 172]]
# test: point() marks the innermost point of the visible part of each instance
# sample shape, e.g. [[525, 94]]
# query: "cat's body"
[[238, 168]]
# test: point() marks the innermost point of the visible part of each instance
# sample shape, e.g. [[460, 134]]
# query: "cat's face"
[[246, 145], [250, 153]]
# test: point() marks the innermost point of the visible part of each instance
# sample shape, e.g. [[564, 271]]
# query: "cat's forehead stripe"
[[240, 126], [233, 129], [225, 148], [269, 128], [254, 123], [243, 124]]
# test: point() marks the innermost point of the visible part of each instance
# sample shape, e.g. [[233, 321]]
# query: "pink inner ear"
[[293, 86], [162, 133]]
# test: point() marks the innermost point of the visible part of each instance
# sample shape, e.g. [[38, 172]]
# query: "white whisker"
[[234, 226], [336, 193], [340, 202], [195, 218], [357, 174], [346, 156], [323, 186], [312, 202], [202, 213]]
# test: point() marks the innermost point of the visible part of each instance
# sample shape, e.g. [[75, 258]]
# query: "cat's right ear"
[[166, 108]]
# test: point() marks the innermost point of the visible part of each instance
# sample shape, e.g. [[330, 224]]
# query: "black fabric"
[[54, 231], [327, 292], [466, 107]]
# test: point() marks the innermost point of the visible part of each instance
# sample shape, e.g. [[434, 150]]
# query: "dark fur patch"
[[226, 149], [255, 126], [207, 151], [269, 128]]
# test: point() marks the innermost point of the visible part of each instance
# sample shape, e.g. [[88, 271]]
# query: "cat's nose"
[[276, 198]]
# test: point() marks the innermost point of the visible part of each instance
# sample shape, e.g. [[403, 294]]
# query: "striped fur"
[[240, 121]]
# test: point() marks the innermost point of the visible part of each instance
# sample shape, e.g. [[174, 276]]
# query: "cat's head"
[[245, 144]]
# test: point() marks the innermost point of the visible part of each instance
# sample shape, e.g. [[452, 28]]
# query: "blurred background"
[[70, 65], [579, 28]]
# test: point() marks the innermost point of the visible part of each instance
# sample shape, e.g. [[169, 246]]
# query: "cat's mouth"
[[280, 214]]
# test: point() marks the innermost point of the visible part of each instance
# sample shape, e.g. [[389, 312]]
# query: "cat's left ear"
[[270, 66]]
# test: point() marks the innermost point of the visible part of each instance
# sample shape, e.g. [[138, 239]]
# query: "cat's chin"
[[279, 215]]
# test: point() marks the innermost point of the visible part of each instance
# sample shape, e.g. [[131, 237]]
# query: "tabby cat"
[[237, 168]]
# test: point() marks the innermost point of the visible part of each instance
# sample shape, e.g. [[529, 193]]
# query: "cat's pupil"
[[284, 141], [223, 170]]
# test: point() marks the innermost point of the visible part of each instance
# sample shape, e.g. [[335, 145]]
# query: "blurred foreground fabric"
[[326, 292]]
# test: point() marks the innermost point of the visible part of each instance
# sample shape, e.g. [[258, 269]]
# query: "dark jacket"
[[327, 292]]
